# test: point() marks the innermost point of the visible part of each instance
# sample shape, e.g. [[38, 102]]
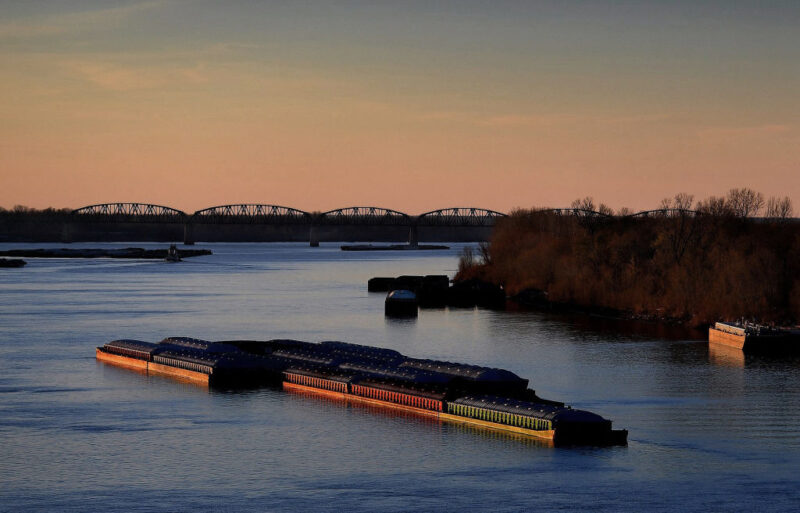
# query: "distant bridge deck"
[[265, 222], [254, 213]]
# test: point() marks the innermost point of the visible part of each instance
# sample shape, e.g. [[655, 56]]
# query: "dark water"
[[708, 432]]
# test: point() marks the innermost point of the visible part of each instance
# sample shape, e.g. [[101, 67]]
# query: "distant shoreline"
[[138, 253]]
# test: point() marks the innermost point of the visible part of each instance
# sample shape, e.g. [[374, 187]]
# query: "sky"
[[406, 105]]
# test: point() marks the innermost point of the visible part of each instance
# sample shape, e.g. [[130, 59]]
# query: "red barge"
[[484, 397]]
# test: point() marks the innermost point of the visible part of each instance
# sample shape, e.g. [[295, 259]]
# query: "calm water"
[[707, 431]]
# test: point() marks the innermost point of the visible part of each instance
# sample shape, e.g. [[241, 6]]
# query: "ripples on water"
[[708, 431]]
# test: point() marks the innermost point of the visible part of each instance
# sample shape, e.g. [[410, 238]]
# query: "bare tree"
[[745, 202], [680, 201], [605, 209], [683, 201], [467, 259], [624, 211], [780, 208], [714, 206], [586, 203], [486, 253]]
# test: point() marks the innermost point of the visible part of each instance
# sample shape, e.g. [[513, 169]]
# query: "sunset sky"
[[405, 105]]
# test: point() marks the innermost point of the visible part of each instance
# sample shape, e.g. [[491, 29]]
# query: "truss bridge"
[[272, 223]]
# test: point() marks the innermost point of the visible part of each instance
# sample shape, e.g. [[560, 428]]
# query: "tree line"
[[722, 258]]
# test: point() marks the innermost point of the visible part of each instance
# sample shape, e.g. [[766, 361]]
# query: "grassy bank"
[[697, 267]]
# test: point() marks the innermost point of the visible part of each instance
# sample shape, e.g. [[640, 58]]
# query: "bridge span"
[[251, 222], [274, 223]]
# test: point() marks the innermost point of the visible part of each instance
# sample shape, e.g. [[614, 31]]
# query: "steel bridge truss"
[[251, 213], [459, 216], [666, 212], [575, 212], [129, 212], [373, 216]]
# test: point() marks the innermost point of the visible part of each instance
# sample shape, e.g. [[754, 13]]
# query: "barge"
[[482, 397], [401, 303], [754, 338]]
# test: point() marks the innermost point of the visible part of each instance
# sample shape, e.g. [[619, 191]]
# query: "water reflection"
[[400, 321], [590, 326], [725, 356], [732, 357]]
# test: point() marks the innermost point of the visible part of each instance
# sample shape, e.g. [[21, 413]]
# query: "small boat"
[[401, 303], [172, 254]]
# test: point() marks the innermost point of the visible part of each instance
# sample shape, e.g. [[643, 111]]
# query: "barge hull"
[[723, 338], [121, 361], [176, 372], [153, 368], [541, 435]]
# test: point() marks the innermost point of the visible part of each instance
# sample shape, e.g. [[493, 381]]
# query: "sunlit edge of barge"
[[156, 369]]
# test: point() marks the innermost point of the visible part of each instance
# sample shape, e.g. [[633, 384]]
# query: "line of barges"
[[485, 397]]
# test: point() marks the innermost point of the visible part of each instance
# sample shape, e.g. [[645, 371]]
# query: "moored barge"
[[754, 338], [401, 303], [479, 396]]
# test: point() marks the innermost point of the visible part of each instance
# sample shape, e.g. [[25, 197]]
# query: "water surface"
[[708, 431]]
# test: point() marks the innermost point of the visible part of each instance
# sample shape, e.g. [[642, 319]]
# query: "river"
[[708, 431]]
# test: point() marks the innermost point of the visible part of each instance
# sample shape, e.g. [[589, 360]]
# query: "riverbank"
[[536, 300], [693, 269]]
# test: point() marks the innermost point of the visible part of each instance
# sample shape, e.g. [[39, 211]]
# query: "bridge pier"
[[313, 236], [188, 234], [66, 232], [413, 235]]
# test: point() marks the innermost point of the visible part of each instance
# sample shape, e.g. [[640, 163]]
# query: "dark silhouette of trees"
[[745, 202], [701, 267], [714, 206], [680, 201], [779, 208]]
